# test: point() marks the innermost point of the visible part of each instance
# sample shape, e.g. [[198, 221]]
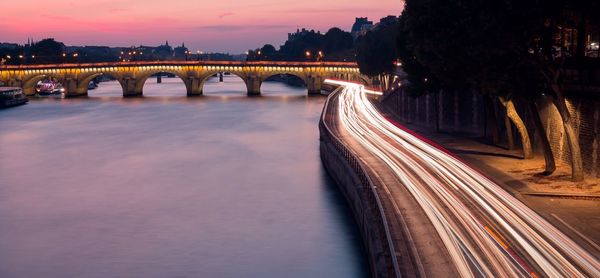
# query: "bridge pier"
[[131, 88], [314, 84], [193, 86], [253, 84], [72, 88]]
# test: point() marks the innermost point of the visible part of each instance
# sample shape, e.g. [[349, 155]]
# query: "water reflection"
[[168, 186]]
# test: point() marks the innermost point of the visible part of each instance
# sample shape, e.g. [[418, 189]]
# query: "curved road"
[[486, 231]]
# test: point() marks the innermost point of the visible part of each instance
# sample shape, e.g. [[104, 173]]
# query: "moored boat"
[[11, 96]]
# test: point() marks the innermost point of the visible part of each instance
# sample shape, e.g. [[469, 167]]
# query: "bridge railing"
[[372, 197]]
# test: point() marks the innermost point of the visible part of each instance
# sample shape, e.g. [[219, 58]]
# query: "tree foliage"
[[376, 51], [335, 45]]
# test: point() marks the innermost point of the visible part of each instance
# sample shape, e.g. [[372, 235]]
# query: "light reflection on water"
[[168, 186]]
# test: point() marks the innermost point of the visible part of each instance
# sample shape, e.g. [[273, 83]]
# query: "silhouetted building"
[[180, 52], [163, 52], [388, 20], [361, 26], [301, 33]]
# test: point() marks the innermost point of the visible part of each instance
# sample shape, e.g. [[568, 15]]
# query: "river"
[[168, 186]]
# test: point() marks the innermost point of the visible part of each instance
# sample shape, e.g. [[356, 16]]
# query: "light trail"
[[486, 231]]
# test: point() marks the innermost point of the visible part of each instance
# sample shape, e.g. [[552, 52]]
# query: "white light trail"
[[486, 231]]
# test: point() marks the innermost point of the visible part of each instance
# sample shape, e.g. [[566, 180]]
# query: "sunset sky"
[[220, 25]]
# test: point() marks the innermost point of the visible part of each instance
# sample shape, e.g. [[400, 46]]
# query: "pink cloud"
[[151, 22], [225, 14]]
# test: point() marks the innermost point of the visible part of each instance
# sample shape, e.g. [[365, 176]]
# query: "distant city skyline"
[[211, 26]]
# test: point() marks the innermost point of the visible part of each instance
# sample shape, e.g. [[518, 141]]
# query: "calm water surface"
[[168, 186]]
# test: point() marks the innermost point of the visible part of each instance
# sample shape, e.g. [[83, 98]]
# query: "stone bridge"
[[132, 75]]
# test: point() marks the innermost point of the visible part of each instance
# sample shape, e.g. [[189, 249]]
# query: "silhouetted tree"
[[48, 51], [376, 51], [337, 40], [473, 44]]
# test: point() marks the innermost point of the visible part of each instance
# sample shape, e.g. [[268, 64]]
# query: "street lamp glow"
[[307, 53]]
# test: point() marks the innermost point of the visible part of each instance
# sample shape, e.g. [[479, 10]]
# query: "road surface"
[[486, 231]]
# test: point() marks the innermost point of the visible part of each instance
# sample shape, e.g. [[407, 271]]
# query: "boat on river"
[[11, 96], [49, 87]]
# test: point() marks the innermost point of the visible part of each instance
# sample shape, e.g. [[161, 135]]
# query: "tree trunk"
[[512, 114], [548, 155], [509, 133], [572, 139]]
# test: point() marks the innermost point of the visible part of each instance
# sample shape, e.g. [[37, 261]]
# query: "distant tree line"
[[44, 51], [503, 49], [335, 45]]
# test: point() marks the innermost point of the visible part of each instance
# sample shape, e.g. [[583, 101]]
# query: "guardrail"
[[357, 166]]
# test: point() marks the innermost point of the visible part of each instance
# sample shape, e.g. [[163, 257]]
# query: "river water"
[[168, 186]]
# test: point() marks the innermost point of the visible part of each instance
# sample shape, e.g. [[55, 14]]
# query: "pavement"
[[574, 208]]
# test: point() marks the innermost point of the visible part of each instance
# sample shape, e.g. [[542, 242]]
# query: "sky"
[[211, 26]]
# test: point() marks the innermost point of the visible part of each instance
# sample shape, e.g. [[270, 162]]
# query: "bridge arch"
[[83, 82], [210, 74], [143, 77], [298, 76]]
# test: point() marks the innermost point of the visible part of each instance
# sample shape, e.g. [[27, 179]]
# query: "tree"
[[337, 40], [376, 51], [564, 13], [472, 44], [48, 51], [268, 52]]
